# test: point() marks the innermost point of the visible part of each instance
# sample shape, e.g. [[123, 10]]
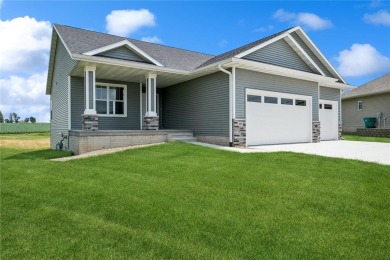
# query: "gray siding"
[[353, 118], [123, 53], [201, 105], [280, 54], [63, 65], [131, 122], [311, 54], [331, 94], [256, 80]]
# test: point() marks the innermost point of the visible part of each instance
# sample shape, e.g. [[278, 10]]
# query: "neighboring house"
[[367, 101], [280, 89]]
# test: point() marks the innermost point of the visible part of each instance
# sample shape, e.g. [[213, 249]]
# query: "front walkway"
[[364, 151]]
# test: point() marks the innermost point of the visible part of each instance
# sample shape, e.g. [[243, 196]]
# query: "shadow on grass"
[[39, 155]]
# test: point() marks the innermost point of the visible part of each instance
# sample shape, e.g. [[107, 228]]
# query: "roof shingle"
[[379, 85]]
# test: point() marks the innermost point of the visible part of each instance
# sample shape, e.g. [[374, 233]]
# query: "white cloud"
[[222, 43], [126, 22], [25, 44], [153, 39], [360, 60], [25, 96], [381, 17], [264, 28], [307, 20]]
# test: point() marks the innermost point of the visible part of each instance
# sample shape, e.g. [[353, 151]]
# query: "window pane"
[[112, 93], [101, 92], [119, 108], [327, 106], [101, 107], [299, 102], [253, 98], [111, 107], [320, 106], [271, 100], [119, 93], [360, 105], [286, 101]]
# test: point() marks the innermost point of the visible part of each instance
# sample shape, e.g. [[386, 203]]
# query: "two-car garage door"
[[277, 118]]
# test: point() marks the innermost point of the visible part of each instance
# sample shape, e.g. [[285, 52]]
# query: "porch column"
[[151, 118], [89, 118]]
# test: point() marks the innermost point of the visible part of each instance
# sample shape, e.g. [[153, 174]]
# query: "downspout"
[[230, 104]]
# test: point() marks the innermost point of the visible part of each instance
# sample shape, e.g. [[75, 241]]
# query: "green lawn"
[[183, 201], [351, 137]]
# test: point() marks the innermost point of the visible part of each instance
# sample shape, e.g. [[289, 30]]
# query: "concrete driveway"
[[365, 151]]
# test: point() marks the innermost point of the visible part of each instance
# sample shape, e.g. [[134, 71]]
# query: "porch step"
[[183, 136]]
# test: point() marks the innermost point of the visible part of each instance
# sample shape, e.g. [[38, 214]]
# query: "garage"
[[277, 118], [329, 120]]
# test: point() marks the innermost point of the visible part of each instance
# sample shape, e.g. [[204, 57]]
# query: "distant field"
[[24, 128]]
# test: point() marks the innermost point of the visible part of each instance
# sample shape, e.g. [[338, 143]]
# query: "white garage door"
[[277, 118], [329, 120]]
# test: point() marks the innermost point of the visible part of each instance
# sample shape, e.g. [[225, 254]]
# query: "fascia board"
[[120, 44], [322, 58]]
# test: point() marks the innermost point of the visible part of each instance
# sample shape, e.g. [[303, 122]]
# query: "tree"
[[33, 119], [6, 120], [27, 119], [11, 118], [16, 117], [1, 117]]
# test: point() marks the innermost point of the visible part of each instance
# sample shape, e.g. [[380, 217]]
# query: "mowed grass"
[[351, 137], [183, 201]]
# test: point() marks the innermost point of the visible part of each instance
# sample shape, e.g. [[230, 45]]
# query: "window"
[[253, 98], [360, 105], [287, 101], [299, 102], [328, 106], [320, 106], [271, 100], [110, 99]]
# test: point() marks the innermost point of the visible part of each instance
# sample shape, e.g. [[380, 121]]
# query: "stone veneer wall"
[[239, 132], [151, 122], [340, 130], [90, 122], [376, 132], [316, 138]]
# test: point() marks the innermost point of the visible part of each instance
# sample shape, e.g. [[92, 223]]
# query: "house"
[[367, 101], [109, 91]]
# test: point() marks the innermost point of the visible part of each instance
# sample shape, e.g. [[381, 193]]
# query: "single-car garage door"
[[329, 120], [277, 118]]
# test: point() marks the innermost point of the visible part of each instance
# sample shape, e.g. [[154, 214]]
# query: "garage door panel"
[[278, 123]]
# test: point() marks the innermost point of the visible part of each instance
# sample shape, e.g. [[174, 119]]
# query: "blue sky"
[[353, 35]]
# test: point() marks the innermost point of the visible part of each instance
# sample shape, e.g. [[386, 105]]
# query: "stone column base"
[[316, 132], [150, 122], [90, 122], [239, 133]]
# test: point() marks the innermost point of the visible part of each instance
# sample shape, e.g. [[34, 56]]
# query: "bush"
[[24, 128]]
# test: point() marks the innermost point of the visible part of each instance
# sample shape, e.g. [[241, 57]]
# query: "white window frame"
[[108, 85], [360, 104]]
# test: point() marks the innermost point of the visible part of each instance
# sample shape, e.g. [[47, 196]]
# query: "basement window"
[[360, 105], [111, 99]]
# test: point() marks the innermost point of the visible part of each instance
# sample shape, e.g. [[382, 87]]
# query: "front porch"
[[80, 141]]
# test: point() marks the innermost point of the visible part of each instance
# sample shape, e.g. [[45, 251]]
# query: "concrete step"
[[183, 136], [187, 140]]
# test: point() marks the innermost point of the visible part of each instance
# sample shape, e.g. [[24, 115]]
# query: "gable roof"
[[376, 86], [80, 41]]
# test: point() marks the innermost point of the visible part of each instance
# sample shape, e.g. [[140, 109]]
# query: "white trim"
[[149, 87], [286, 72], [318, 107], [308, 40], [103, 84], [63, 42], [141, 117], [302, 52], [69, 104], [127, 44], [340, 111]]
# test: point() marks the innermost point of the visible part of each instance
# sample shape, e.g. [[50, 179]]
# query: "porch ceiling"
[[127, 74]]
